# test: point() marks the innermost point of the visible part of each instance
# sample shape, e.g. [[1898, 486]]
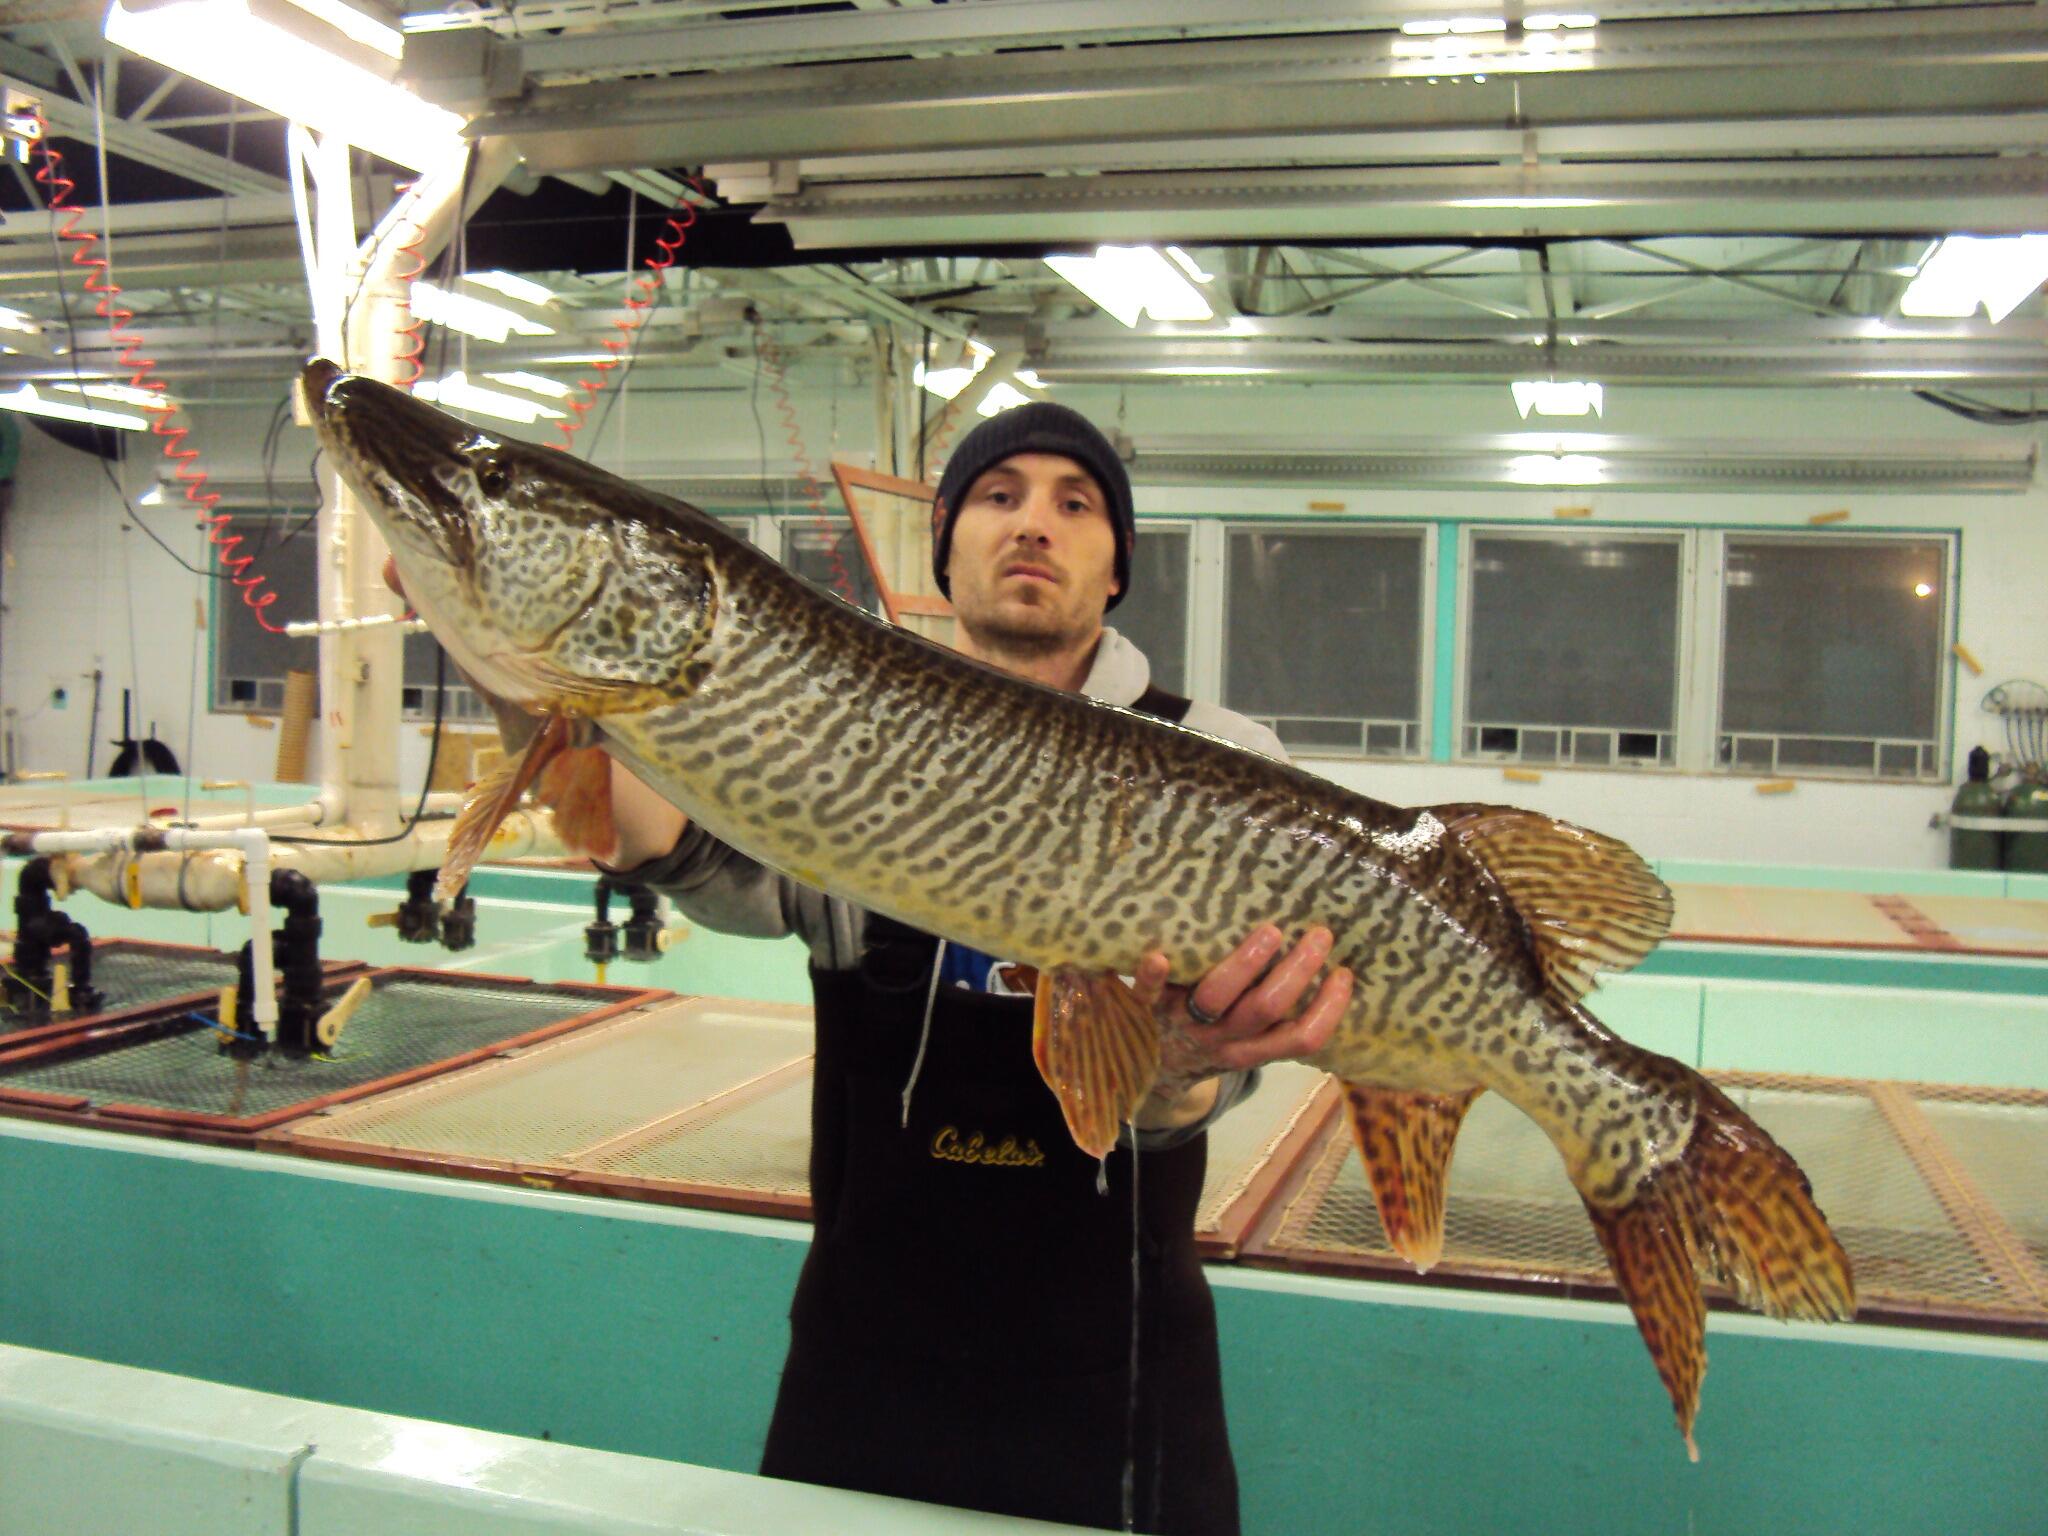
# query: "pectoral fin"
[[1097, 1047], [1406, 1141], [490, 800], [577, 786]]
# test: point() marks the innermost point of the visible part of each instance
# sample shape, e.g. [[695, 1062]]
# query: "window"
[[1323, 636], [1832, 655], [416, 692], [820, 550], [1155, 615], [249, 662], [1571, 647]]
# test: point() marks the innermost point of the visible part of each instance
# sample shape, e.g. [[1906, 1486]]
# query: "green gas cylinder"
[[2027, 852], [1976, 797]]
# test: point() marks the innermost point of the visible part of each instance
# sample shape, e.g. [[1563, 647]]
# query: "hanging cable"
[[768, 364], [68, 218], [640, 302]]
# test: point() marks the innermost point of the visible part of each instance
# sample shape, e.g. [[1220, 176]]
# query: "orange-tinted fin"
[[1097, 1047], [1405, 1140], [540, 677], [1733, 1208], [577, 786], [490, 800], [1590, 902]]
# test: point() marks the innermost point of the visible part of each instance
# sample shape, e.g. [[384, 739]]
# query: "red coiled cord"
[[412, 347], [142, 375], [638, 306], [769, 352]]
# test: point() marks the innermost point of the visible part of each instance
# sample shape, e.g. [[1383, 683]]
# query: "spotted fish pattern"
[[1076, 836]]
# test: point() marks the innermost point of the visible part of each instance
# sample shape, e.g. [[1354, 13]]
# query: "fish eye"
[[492, 477]]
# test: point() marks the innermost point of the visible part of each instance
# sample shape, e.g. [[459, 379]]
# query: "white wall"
[[77, 588]]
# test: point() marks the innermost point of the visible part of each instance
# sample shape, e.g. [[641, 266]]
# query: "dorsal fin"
[[1591, 903]]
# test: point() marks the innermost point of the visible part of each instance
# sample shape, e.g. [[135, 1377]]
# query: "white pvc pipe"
[[253, 843]]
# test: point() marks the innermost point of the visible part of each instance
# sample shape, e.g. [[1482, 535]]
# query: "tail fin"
[[1733, 1208]]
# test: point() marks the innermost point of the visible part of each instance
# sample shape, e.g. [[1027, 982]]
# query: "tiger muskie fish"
[[1076, 836]]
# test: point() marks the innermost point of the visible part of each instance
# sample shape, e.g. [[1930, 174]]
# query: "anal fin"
[[1097, 1047], [488, 803], [577, 786], [1405, 1140]]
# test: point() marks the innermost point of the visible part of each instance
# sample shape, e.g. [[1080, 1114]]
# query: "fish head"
[[552, 584]]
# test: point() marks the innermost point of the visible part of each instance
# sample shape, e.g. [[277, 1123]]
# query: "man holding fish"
[[962, 1330], [966, 1278]]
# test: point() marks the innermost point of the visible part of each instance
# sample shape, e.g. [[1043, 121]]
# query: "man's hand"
[[1255, 1009]]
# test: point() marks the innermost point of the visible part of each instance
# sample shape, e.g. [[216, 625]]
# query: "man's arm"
[[648, 825]]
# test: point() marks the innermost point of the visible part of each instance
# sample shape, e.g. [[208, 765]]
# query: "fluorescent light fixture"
[[1001, 396], [1028, 378], [533, 384], [1922, 589], [455, 390], [1557, 397], [350, 22], [1189, 265], [260, 50], [1999, 272], [26, 399], [15, 320], [944, 382], [1528, 202], [153, 497], [1130, 280], [513, 287], [120, 394], [1557, 469], [471, 315], [1573, 21]]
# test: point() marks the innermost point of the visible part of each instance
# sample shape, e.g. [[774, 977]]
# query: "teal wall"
[[1354, 1407]]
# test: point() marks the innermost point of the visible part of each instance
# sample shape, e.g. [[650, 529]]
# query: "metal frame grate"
[[163, 1070], [1940, 1230], [138, 977]]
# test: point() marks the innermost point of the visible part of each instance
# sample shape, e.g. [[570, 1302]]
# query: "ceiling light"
[[1129, 280], [1001, 396], [1999, 272], [1571, 21], [153, 497], [1527, 202], [1028, 378], [456, 391], [121, 394], [15, 320], [261, 51], [1189, 265], [512, 287], [1922, 589], [944, 382], [533, 383], [350, 22], [471, 315], [1558, 397], [1557, 469], [26, 399]]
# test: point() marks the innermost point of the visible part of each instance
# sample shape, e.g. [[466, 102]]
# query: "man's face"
[[1033, 559]]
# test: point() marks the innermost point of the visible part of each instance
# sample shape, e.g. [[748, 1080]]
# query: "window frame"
[[1685, 539], [221, 590], [1417, 734], [1943, 741], [1190, 645]]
